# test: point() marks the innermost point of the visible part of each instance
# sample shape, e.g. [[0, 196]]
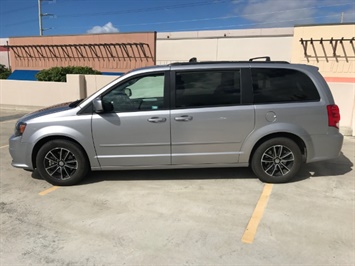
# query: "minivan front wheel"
[[276, 160], [62, 162]]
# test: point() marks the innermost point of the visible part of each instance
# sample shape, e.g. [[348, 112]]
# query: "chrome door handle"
[[183, 118], [157, 119]]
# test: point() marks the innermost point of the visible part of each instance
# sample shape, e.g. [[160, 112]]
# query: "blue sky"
[[20, 17]]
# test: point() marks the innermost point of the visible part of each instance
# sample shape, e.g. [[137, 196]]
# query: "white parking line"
[[4, 146]]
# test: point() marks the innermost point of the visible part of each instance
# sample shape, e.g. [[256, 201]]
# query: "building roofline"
[[324, 24], [227, 33], [84, 34]]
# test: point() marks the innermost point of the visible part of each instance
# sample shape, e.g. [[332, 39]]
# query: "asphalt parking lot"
[[178, 217]]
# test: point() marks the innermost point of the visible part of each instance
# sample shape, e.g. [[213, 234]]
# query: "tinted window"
[[273, 85], [137, 94], [207, 88]]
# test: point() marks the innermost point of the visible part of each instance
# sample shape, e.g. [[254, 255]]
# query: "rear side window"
[[207, 88], [272, 85]]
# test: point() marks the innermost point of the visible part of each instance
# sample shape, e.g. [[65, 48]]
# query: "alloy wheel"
[[277, 161], [60, 163]]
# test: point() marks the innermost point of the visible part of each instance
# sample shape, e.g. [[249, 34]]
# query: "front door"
[[134, 130]]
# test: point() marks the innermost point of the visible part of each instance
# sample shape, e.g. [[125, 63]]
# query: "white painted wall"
[[224, 45]]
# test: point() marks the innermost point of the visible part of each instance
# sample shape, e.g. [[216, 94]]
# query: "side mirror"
[[98, 107], [128, 92]]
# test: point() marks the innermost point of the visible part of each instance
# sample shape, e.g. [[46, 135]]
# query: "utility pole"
[[41, 15], [342, 17]]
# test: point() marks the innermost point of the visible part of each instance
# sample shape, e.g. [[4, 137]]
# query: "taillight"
[[333, 115]]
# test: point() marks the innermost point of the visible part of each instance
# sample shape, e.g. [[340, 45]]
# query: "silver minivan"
[[271, 116]]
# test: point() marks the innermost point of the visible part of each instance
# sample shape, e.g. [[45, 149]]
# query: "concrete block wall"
[[30, 94]]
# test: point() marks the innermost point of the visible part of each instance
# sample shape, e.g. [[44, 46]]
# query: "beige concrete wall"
[[321, 54], [94, 82], [224, 45], [39, 93], [344, 97], [35, 93]]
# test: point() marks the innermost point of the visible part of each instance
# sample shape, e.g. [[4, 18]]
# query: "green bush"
[[4, 72], [59, 74]]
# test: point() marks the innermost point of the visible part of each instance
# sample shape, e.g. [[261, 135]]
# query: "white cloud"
[[108, 28], [281, 13]]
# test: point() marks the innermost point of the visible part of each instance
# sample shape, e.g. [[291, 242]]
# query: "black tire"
[[62, 162], [276, 160]]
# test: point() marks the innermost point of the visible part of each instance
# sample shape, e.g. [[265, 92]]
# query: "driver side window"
[[137, 94]]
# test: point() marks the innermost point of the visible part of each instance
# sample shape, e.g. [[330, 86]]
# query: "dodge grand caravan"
[[271, 116]]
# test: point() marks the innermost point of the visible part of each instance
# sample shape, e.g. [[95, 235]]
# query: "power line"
[[231, 17], [148, 9], [18, 9], [184, 5], [20, 22], [233, 26]]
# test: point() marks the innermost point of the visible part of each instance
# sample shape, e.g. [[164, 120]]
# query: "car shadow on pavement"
[[336, 167], [169, 174]]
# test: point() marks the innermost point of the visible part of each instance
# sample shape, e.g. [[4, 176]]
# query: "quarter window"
[[207, 88], [272, 85], [137, 94]]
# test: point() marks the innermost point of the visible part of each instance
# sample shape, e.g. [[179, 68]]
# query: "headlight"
[[20, 128]]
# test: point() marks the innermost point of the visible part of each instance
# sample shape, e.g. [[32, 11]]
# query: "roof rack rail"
[[193, 60], [267, 58]]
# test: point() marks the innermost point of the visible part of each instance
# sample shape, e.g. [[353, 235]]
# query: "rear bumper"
[[325, 147]]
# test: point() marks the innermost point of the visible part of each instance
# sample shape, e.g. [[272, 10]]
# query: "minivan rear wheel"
[[276, 160], [62, 162]]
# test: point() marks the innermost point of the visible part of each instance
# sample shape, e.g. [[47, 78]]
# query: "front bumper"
[[20, 153]]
